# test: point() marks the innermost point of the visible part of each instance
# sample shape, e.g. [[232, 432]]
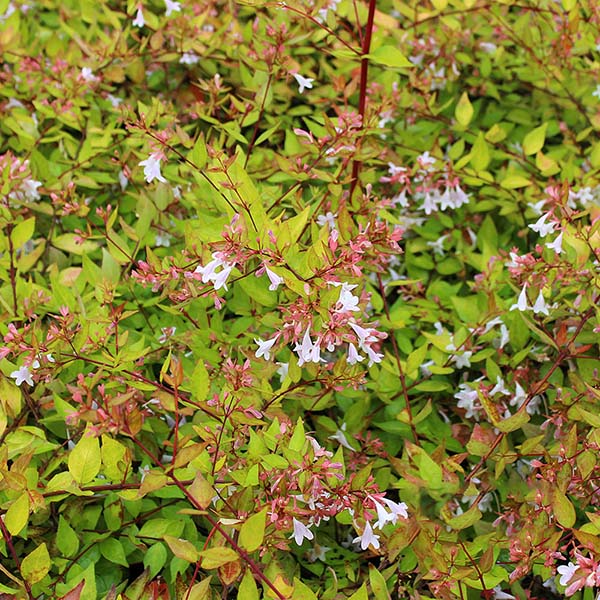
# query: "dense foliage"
[[299, 299]]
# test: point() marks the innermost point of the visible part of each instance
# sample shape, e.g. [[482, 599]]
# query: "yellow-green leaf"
[[202, 491], [248, 589], [390, 56], [201, 591], [215, 557], [182, 549], [464, 110], [534, 140], [85, 459], [515, 181], [252, 531], [36, 565], [480, 153], [563, 509], [17, 514]]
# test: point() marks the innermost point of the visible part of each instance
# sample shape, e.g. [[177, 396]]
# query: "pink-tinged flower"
[[275, 279], [566, 572], [374, 357], [522, 301], [301, 532], [264, 348], [189, 58], [139, 18], [540, 305], [88, 75], [556, 245], [152, 168], [347, 300], [541, 227], [221, 278], [22, 375], [367, 538], [398, 509], [326, 219], [171, 7], [303, 82], [353, 355]]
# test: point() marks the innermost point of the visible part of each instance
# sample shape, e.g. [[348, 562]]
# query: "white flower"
[[162, 239], [438, 246], [374, 357], [275, 279], [22, 375], [566, 572], [462, 360], [522, 301], [301, 532], [537, 207], [318, 553], [88, 75], [283, 370], [340, 437], [596, 92], [264, 348], [347, 300], [209, 272], [541, 227], [114, 100], [368, 538], [504, 336], [499, 388], [556, 245], [189, 58], [152, 168], [327, 219], [303, 82], [540, 305], [466, 399], [123, 181], [353, 355], [139, 18], [500, 595], [171, 7]]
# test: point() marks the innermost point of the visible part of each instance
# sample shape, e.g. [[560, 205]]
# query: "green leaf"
[[112, 550], [198, 155], [155, 558], [513, 422], [465, 520], [534, 140], [17, 514], [66, 538], [378, 585], [199, 382], [252, 532], [563, 509], [464, 110], [390, 56], [36, 565], [85, 459]]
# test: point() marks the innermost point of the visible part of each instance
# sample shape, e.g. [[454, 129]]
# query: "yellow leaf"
[[464, 110], [85, 459], [36, 565], [18, 514]]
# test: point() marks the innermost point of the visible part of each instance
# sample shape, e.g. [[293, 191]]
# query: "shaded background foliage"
[[146, 450]]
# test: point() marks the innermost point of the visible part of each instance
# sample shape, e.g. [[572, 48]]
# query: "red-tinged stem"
[[214, 522], [8, 539], [364, 74]]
